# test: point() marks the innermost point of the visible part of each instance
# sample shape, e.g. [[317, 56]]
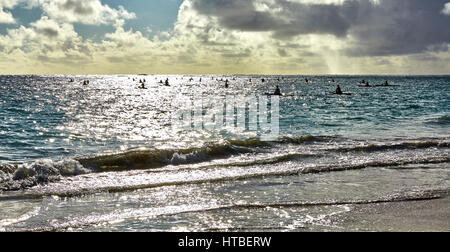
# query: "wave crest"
[[155, 158], [16, 177]]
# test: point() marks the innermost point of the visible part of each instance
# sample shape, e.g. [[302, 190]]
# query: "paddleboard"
[[341, 94], [282, 95]]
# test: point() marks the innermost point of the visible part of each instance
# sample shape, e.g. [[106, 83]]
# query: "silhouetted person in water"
[[226, 84], [338, 90], [277, 91], [167, 82]]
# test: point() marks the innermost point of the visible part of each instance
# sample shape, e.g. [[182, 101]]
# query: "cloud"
[[446, 9], [9, 3], [127, 39], [45, 41], [236, 36], [83, 11], [400, 27], [373, 28], [6, 17], [285, 19], [92, 12]]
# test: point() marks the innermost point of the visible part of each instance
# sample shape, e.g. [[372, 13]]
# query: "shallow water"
[[106, 156]]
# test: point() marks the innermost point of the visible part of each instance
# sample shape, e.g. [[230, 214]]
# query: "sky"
[[225, 37]]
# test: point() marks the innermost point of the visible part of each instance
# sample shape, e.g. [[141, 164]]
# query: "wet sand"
[[409, 216]]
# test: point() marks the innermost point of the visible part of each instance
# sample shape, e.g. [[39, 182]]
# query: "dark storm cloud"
[[302, 18], [396, 27], [236, 14], [388, 27]]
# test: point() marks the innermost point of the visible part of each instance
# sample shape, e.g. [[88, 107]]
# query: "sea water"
[[106, 156]]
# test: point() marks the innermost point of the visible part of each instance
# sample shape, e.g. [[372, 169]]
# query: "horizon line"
[[223, 74]]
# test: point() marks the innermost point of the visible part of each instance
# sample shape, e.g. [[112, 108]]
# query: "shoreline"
[[408, 216]]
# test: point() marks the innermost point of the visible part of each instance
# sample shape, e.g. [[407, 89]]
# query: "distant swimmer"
[[200, 80], [386, 83], [167, 82], [277, 91], [226, 84], [263, 80]]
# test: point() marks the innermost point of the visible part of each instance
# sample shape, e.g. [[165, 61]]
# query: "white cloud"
[[8, 3], [83, 11], [126, 38], [48, 28], [446, 9], [6, 17]]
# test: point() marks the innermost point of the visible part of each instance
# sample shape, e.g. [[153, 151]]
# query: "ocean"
[[196, 155]]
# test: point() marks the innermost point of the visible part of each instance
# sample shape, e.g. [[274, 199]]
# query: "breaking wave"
[[17, 177]]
